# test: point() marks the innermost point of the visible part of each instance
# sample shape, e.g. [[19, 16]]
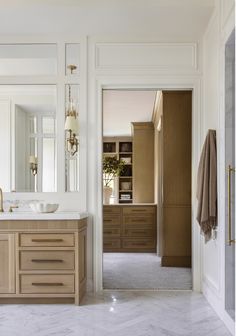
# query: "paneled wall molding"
[[218, 30], [226, 10], [218, 305], [164, 57], [209, 282]]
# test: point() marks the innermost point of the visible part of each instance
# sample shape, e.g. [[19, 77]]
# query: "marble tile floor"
[[116, 313], [142, 271]]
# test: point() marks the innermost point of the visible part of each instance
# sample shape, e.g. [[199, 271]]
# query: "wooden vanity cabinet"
[[7, 263], [129, 228], [43, 261]]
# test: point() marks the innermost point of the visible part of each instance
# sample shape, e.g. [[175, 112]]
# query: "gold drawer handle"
[[139, 210], [38, 240], [107, 220], [108, 232], [47, 284], [138, 220], [47, 260], [131, 231]]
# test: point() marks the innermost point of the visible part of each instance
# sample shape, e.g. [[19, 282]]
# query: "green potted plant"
[[112, 167]]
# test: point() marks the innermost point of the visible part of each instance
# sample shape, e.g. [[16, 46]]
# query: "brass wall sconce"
[[71, 126], [33, 161]]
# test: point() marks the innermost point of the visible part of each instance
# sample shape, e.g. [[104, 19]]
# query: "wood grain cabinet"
[[129, 228], [176, 189], [46, 264], [143, 162], [7, 263]]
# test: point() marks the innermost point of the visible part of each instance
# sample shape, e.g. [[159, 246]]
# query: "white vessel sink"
[[43, 207]]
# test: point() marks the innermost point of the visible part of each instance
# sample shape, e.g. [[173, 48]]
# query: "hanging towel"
[[207, 186]]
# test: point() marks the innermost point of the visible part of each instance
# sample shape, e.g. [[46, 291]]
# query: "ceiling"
[[120, 108], [165, 19]]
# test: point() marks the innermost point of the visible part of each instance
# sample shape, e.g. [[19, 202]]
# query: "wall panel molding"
[[146, 56]]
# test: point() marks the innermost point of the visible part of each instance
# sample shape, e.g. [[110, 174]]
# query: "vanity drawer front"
[[110, 220], [111, 231], [46, 239], [109, 209], [139, 220], [138, 210], [138, 243], [47, 260], [47, 284], [111, 243], [131, 231]]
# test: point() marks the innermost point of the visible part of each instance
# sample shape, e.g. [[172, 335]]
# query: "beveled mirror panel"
[[28, 138]]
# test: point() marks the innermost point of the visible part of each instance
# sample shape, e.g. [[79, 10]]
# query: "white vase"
[[107, 192]]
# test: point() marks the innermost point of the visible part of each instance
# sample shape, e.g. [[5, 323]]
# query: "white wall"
[[158, 64], [220, 26]]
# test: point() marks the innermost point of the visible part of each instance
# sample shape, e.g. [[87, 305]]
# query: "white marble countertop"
[[58, 215], [131, 204]]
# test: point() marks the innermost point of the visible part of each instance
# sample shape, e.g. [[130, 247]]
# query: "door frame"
[[185, 83]]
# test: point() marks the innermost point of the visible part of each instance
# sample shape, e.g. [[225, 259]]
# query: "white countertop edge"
[[65, 215], [131, 204]]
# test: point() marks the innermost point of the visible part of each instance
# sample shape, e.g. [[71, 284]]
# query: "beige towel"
[[207, 186]]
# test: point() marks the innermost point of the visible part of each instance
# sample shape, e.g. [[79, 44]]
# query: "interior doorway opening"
[[147, 197]]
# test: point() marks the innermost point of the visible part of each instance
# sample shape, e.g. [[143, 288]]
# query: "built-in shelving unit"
[[122, 149]]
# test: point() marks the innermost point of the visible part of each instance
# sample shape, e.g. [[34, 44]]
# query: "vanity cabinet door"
[[7, 263]]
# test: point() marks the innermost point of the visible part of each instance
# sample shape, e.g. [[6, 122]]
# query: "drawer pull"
[[108, 232], [135, 232], [139, 210], [47, 284], [38, 240], [47, 260], [138, 220], [107, 220]]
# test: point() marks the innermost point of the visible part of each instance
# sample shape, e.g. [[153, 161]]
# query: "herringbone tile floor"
[[116, 314]]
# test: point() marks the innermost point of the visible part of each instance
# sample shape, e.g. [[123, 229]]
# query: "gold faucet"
[[1, 201], [13, 207]]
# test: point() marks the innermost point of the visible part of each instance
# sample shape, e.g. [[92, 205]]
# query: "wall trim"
[[160, 82], [217, 304], [159, 62]]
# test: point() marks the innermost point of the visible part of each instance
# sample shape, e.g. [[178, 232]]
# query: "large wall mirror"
[[28, 149], [28, 138]]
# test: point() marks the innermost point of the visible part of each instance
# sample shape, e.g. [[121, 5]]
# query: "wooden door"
[[7, 263]]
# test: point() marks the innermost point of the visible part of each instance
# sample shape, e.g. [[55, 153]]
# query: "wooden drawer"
[[46, 239], [111, 243], [110, 220], [109, 209], [139, 220], [139, 210], [147, 231], [138, 243], [46, 283], [47, 260], [111, 231]]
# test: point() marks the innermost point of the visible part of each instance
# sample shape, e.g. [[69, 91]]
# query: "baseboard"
[[168, 261], [218, 305]]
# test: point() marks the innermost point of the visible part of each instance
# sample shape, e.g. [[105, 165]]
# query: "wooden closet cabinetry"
[[129, 228]]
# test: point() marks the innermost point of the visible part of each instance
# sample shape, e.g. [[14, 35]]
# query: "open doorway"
[[147, 189]]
